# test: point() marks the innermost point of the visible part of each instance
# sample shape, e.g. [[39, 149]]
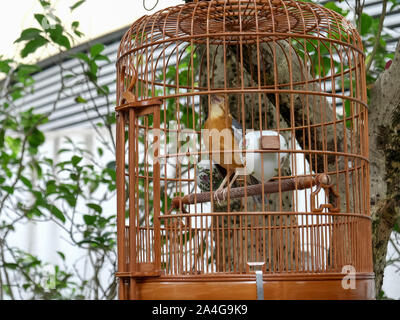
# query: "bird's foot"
[[220, 196]]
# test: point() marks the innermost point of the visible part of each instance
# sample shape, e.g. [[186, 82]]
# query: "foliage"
[[36, 188], [368, 28]]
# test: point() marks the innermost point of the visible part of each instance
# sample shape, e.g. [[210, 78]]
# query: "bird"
[[223, 132]]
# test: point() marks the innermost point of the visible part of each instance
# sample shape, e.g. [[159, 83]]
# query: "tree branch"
[[378, 36]]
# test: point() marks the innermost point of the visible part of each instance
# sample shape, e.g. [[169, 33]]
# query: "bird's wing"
[[237, 129]]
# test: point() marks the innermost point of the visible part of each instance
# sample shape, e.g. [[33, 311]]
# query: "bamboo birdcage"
[[282, 66]]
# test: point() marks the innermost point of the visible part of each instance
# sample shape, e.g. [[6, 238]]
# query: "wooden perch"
[[322, 180]]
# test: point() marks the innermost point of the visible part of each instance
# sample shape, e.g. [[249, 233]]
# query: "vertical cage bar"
[[133, 229], [156, 189], [120, 181]]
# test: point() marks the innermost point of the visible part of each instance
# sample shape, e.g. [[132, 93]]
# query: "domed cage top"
[[242, 147]]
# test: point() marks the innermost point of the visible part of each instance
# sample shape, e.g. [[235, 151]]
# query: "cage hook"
[[324, 181], [128, 95], [177, 203], [147, 9]]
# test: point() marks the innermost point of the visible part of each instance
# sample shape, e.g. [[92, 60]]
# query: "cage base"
[[292, 287]]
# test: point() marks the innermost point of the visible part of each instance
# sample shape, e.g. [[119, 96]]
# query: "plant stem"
[[378, 36]]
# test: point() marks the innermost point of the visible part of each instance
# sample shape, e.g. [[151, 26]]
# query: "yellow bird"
[[223, 133]]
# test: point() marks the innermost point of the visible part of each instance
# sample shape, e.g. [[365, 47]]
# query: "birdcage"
[[242, 154]]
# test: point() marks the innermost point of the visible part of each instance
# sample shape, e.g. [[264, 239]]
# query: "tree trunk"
[[384, 133]]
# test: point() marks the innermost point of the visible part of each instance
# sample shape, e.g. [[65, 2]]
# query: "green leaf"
[[8, 189], [56, 34], [93, 69], [33, 45], [28, 34], [96, 49], [82, 56], [11, 266], [75, 160], [93, 186], [78, 33], [51, 187], [77, 4], [103, 90], [68, 76], [38, 169], [36, 139], [366, 23], [79, 99], [27, 69], [71, 200], [95, 207], [26, 182], [395, 4], [56, 212], [5, 66], [14, 144], [112, 165], [2, 139], [16, 94], [45, 3], [63, 150], [89, 220], [92, 76], [64, 42], [41, 19], [331, 5], [62, 255], [34, 212], [100, 57], [111, 119]]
